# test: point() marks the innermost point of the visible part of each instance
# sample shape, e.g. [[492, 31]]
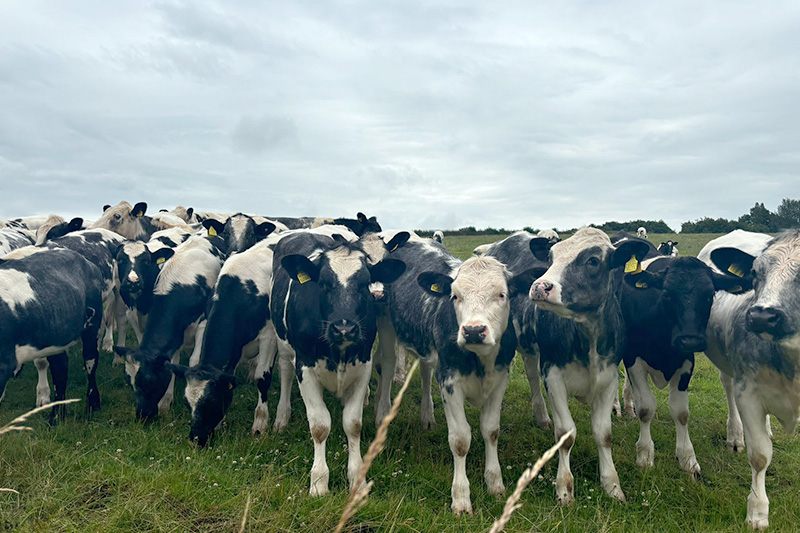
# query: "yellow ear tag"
[[641, 285], [302, 277], [139, 214], [633, 266], [436, 288], [160, 261], [212, 232], [736, 270], [395, 248]]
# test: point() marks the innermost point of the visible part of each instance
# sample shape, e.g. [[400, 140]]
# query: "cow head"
[[137, 269], [123, 219], [56, 227], [149, 376], [666, 248], [578, 282], [361, 225], [343, 276], [239, 232], [685, 291], [209, 393], [377, 250], [775, 313]]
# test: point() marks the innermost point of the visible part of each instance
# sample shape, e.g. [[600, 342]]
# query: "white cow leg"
[[645, 409], [490, 429], [319, 422], [563, 423], [537, 399], [601, 428], [166, 401], [735, 434], [627, 395], [759, 453], [194, 359], [352, 411], [426, 368], [400, 365], [42, 385], [386, 361], [121, 320], [286, 364], [459, 437], [679, 408], [265, 361]]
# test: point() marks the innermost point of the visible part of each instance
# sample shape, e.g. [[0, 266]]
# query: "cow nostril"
[[764, 319]]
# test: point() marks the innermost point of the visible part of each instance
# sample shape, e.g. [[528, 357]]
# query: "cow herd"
[[316, 295]]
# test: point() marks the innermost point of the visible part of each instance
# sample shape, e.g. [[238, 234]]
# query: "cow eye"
[[455, 298], [117, 216], [502, 296], [593, 261]]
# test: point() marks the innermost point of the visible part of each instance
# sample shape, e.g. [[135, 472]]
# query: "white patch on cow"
[[15, 289], [480, 298], [238, 227], [783, 259], [134, 249], [344, 263], [132, 368], [746, 241], [195, 390], [51, 222], [254, 264], [26, 352], [192, 258]]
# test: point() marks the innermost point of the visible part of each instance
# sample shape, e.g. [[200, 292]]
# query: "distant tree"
[[789, 212], [709, 225], [760, 219]]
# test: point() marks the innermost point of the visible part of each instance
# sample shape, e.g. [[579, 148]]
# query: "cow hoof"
[[319, 488], [461, 507], [279, 426], [545, 424], [735, 446], [644, 454], [630, 411], [565, 498], [613, 489], [117, 360], [758, 523], [42, 398], [690, 465], [108, 346]]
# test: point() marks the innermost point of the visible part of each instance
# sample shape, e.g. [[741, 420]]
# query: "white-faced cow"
[[754, 339], [438, 236], [180, 296], [55, 227], [48, 300], [550, 235], [131, 222], [641, 232], [580, 357], [321, 304]]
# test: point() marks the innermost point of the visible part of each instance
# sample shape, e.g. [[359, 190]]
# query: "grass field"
[[108, 472]]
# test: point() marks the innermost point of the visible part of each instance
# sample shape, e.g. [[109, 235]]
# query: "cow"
[[180, 296], [12, 237], [641, 232], [514, 252], [131, 222], [666, 309], [359, 225], [321, 305], [550, 235], [754, 339], [239, 232], [186, 214], [581, 337], [668, 248], [56, 227], [48, 300], [438, 236]]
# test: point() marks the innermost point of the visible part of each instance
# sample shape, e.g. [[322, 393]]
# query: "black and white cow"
[[669, 248], [580, 356], [131, 222], [238, 326], [359, 225], [754, 339], [56, 227], [12, 238], [641, 232], [438, 236], [550, 235], [321, 304], [666, 308], [48, 300], [239, 232], [180, 296]]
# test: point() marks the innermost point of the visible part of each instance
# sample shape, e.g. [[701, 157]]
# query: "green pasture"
[[107, 472]]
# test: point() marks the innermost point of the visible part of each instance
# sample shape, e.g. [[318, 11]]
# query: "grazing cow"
[[669, 248], [239, 232], [754, 339], [12, 238], [514, 252], [131, 222], [238, 326], [48, 300], [438, 236], [580, 356], [180, 296], [322, 306], [666, 309], [550, 235], [641, 233]]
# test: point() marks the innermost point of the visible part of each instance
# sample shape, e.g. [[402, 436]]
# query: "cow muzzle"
[[768, 322], [690, 343], [343, 331], [541, 290], [474, 333]]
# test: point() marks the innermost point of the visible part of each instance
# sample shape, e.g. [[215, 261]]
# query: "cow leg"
[[601, 429], [353, 407], [459, 437], [319, 422], [385, 364], [91, 358], [198, 343], [121, 319], [537, 399], [6, 371], [401, 365], [679, 408], [265, 361], [627, 395], [166, 401], [735, 435], [426, 368], [759, 453], [558, 398], [109, 313], [286, 362], [59, 368], [490, 429], [646, 406], [42, 385]]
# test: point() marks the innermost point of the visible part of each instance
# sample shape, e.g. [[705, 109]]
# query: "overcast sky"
[[426, 114]]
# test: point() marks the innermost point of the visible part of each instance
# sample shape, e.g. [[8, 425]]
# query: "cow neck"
[[604, 329]]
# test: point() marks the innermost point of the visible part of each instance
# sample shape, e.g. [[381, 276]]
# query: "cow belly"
[[339, 380], [27, 352], [583, 382], [780, 396], [478, 389]]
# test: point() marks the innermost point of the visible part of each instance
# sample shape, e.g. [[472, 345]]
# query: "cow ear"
[[339, 239], [178, 370], [214, 226], [540, 248], [361, 217], [139, 209], [521, 283], [733, 261], [732, 284], [75, 224], [387, 271], [397, 241], [189, 211], [161, 256], [435, 284], [674, 243], [163, 211], [264, 229], [105, 207], [629, 253], [300, 268], [645, 280]]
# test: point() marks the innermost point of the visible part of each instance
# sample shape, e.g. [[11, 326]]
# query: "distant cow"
[[438, 236], [55, 227], [580, 356], [753, 340], [668, 248], [239, 232], [359, 225], [12, 238], [131, 222], [641, 233], [550, 235]]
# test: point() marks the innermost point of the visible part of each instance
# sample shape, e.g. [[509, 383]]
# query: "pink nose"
[[540, 290]]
